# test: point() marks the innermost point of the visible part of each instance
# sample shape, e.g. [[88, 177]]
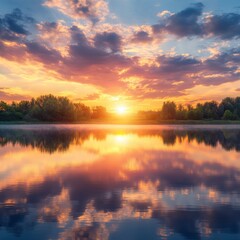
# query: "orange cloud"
[[94, 10]]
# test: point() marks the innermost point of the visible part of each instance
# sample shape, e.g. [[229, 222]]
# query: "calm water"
[[114, 182]]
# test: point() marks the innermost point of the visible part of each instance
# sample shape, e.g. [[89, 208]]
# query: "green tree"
[[210, 110], [169, 111], [195, 114], [51, 108], [181, 113], [228, 115], [228, 104], [237, 107]]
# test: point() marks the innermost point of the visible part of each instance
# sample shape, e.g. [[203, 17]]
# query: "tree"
[[210, 110], [8, 112], [51, 108], [99, 112], [181, 113], [228, 115], [3, 106], [81, 111], [24, 107], [237, 107], [195, 114], [168, 111], [228, 104]]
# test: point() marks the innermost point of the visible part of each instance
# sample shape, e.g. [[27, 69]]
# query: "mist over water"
[[119, 182]]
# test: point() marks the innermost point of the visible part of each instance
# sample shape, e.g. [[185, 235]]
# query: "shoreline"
[[138, 122]]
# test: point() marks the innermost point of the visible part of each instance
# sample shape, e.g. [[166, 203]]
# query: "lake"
[[106, 182]]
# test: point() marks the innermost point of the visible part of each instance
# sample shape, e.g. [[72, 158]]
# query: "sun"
[[121, 110]]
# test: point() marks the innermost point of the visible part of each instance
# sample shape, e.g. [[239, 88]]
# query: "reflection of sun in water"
[[121, 110], [120, 138]]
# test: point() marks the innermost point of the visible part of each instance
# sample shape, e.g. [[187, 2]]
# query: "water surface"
[[119, 182]]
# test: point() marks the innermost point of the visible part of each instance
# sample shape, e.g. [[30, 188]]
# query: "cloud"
[[225, 26], [183, 23], [100, 59], [97, 63], [83, 52], [89, 97], [43, 53], [142, 37], [192, 22], [13, 26], [16, 52], [170, 76], [53, 34], [108, 41], [164, 13], [6, 95], [48, 26], [93, 10]]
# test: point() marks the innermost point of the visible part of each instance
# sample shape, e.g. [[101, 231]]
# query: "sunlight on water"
[[119, 182]]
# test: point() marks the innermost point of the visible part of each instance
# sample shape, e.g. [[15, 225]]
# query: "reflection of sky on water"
[[93, 183]]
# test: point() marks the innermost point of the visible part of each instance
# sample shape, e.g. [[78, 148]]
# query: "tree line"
[[49, 108], [227, 109]]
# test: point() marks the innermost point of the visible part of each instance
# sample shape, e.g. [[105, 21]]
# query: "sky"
[[133, 53]]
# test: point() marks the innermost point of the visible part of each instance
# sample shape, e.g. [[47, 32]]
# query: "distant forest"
[[227, 109], [50, 108]]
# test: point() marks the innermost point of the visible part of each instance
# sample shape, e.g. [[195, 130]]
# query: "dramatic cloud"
[[225, 26], [109, 59], [170, 75], [94, 10], [98, 63], [13, 26], [83, 53], [184, 23], [191, 22]]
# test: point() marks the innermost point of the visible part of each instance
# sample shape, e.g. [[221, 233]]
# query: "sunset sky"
[[133, 53]]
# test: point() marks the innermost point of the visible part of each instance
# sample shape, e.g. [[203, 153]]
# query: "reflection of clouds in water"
[[196, 197], [102, 179], [147, 203], [56, 209]]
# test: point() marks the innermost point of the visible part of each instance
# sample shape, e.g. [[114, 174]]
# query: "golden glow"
[[121, 110], [121, 138], [93, 151]]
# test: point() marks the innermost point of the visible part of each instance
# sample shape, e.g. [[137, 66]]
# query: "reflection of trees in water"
[[60, 139], [46, 140], [228, 139]]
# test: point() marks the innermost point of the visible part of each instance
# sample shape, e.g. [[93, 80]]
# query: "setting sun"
[[121, 110]]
